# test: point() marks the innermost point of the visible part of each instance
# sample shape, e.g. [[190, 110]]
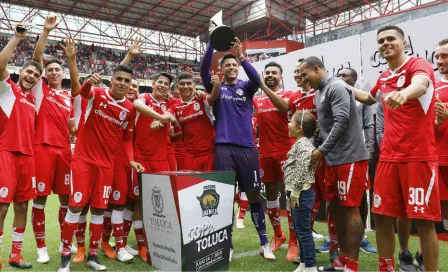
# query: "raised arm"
[[50, 24], [206, 63], [280, 103], [86, 88], [214, 95], [143, 109], [254, 79], [6, 53], [134, 51], [70, 52]]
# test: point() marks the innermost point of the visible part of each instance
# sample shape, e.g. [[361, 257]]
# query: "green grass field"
[[246, 245]]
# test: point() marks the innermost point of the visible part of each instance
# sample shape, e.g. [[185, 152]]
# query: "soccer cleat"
[[418, 261], [230, 255], [240, 224], [334, 255], [366, 246], [73, 249], [80, 255], [405, 261], [131, 251], [108, 250], [325, 247], [18, 262], [42, 255], [266, 252], [317, 236], [65, 264], [293, 251], [296, 260], [276, 242], [300, 268], [311, 269], [336, 266], [124, 256], [93, 263], [142, 253]]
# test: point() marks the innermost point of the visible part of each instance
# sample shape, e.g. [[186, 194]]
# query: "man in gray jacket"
[[345, 155]]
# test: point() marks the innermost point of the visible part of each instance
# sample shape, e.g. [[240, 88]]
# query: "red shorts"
[[200, 163], [91, 185], [346, 183], [271, 168], [172, 160], [443, 182], [17, 177], [121, 183], [319, 185], [407, 190], [181, 162], [55, 176]]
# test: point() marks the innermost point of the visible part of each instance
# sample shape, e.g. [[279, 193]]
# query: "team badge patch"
[[261, 173], [239, 92], [197, 106], [122, 115], [136, 191], [77, 197], [163, 107], [67, 102], [4, 192], [41, 186], [401, 81], [116, 195], [376, 201]]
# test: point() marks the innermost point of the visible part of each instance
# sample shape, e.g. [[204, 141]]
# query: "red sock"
[[386, 264], [343, 259], [107, 227], [17, 238], [274, 216], [352, 265], [127, 224], [1, 237], [139, 233], [95, 227], [334, 245], [117, 226], [244, 204], [314, 212], [61, 216], [69, 227], [81, 231], [292, 234], [38, 222]]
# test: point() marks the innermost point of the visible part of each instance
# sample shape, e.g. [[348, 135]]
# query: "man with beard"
[[406, 182], [345, 155], [234, 145], [17, 115], [274, 144], [54, 121]]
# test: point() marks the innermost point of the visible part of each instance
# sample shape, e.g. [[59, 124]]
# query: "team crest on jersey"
[[136, 191], [116, 195], [77, 197], [401, 81], [239, 91], [376, 201], [197, 106], [261, 173], [122, 115], [4, 192], [41, 186], [67, 102]]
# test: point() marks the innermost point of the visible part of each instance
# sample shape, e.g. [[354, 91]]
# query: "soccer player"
[[365, 122], [275, 143], [54, 121], [17, 116], [177, 138], [345, 155], [406, 182], [234, 144], [195, 115], [107, 115]]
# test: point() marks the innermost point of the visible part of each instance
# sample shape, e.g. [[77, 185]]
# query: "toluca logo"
[[209, 201], [157, 202], [200, 231], [212, 239]]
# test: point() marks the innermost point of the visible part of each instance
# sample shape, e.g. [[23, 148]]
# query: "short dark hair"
[[274, 64], [227, 56], [184, 75], [301, 60], [314, 61], [123, 68], [163, 74], [36, 64], [443, 42], [352, 71], [391, 27], [50, 61]]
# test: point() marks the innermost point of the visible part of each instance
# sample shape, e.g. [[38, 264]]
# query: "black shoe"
[[418, 261], [18, 262], [405, 261], [65, 264]]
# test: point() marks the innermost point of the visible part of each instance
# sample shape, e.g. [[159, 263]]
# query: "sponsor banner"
[[161, 222]]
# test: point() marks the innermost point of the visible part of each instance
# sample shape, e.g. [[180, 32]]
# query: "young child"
[[298, 181]]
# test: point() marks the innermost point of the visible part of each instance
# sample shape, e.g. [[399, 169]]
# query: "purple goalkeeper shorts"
[[243, 161]]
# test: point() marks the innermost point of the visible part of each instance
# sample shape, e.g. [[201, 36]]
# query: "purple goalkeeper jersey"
[[233, 109]]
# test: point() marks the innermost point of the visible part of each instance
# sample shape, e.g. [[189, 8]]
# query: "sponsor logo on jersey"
[[23, 100], [209, 201], [105, 116], [77, 197], [181, 119], [229, 97], [55, 101]]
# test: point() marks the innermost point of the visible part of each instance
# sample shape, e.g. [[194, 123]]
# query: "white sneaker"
[[42, 255], [93, 263], [230, 255], [317, 236], [300, 268], [266, 252], [310, 269], [73, 250], [131, 251], [123, 255], [240, 224]]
